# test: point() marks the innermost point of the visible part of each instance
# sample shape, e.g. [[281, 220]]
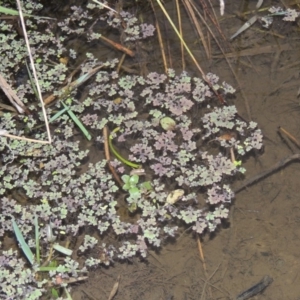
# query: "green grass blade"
[[9, 11], [62, 249], [119, 156], [37, 240], [13, 12], [32, 81], [69, 297], [77, 122], [27, 251], [58, 114], [54, 293]]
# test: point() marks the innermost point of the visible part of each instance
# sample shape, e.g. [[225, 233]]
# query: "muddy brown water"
[[262, 236]]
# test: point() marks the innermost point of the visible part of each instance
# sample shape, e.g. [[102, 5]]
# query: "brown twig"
[[107, 156], [121, 63], [118, 46]]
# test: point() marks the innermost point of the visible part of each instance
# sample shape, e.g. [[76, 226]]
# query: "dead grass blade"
[[12, 96], [160, 40], [181, 33], [203, 263], [114, 289], [34, 72], [118, 46], [229, 64], [221, 99], [192, 15]]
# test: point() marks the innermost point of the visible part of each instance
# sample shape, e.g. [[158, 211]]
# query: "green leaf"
[[13, 12], [62, 249], [134, 179], [134, 191], [78, 122], [9, 11], [125, 178], [54, 293], [146, 185], [25, 248]]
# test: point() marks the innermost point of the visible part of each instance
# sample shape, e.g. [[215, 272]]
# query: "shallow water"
[[262, 235]]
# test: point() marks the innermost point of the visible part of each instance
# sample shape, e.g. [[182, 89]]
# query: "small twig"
[[118, 46], [68, 280], [106, 6], [107, 156], [204, 264], [200, 32], [120, 65], [282, 163]]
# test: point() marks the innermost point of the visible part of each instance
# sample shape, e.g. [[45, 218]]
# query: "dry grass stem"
[[192, 15], [6, 134], [160, 40], [12, 96], [118, 46], [229, 64], [203, 263], [34, 72], [181, 33], [221, 99]]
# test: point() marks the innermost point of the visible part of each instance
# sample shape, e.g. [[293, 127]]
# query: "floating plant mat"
[[200, 154]]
